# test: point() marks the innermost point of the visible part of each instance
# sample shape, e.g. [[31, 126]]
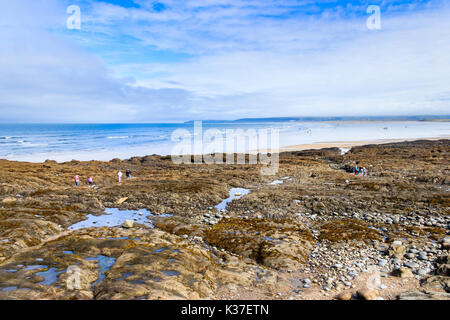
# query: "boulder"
[[423, 295], [437, 282]]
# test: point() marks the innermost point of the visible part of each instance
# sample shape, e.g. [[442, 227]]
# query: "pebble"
[[382, 262], [411, 265], [422, 256], [422, 272]]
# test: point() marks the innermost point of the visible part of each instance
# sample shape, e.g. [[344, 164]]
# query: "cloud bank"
[[147, 61]]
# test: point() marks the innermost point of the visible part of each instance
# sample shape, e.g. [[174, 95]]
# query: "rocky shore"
[[313, 231]]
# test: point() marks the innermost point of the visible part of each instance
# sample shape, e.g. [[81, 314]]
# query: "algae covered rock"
[[118, 263], [348, 230], [279, 244]]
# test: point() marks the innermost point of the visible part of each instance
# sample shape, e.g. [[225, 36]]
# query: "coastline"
[[351, 144], [107, 156]]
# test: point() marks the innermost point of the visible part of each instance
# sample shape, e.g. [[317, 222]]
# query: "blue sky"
[[174, 60]]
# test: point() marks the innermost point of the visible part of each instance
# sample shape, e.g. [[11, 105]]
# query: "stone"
[[8, 201], [411, 265], [121, 200], [443, 259], [397, 251], [410, 255], [422, 272], [444, 269], [437, 282], [368, 294], [422, 256], [344, 296], [405, 272], [382, 262], [128, 224], [423, 295]]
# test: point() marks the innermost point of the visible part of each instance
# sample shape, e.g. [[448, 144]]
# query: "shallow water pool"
[[171, 273], [104, 263], [114, 217], [50, 276], [222, 206], [276, 182]]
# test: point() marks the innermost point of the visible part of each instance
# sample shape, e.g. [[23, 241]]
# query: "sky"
[[175, 60]]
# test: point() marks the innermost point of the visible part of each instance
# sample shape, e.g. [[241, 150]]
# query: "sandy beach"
[[349, 144]]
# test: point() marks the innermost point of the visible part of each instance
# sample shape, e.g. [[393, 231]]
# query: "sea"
[[66, 142]]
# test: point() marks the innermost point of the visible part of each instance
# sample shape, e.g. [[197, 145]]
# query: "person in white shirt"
[[120, 176]]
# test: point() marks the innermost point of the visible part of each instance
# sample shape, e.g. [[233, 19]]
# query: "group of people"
[[127, 173], [91, 181], [359, 171]]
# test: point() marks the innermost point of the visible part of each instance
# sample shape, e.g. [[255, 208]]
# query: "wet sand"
[[350, 144]]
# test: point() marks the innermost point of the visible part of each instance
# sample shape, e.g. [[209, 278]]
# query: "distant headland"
[[343, 118]]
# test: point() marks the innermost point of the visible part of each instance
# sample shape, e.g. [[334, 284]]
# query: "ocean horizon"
[[66, 142]]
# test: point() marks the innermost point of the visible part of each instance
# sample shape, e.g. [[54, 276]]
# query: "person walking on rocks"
[[91, 182], [128, 174], [77, 180], [119, 174]]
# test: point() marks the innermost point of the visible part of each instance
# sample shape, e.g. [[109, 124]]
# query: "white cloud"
[[243, 62]]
